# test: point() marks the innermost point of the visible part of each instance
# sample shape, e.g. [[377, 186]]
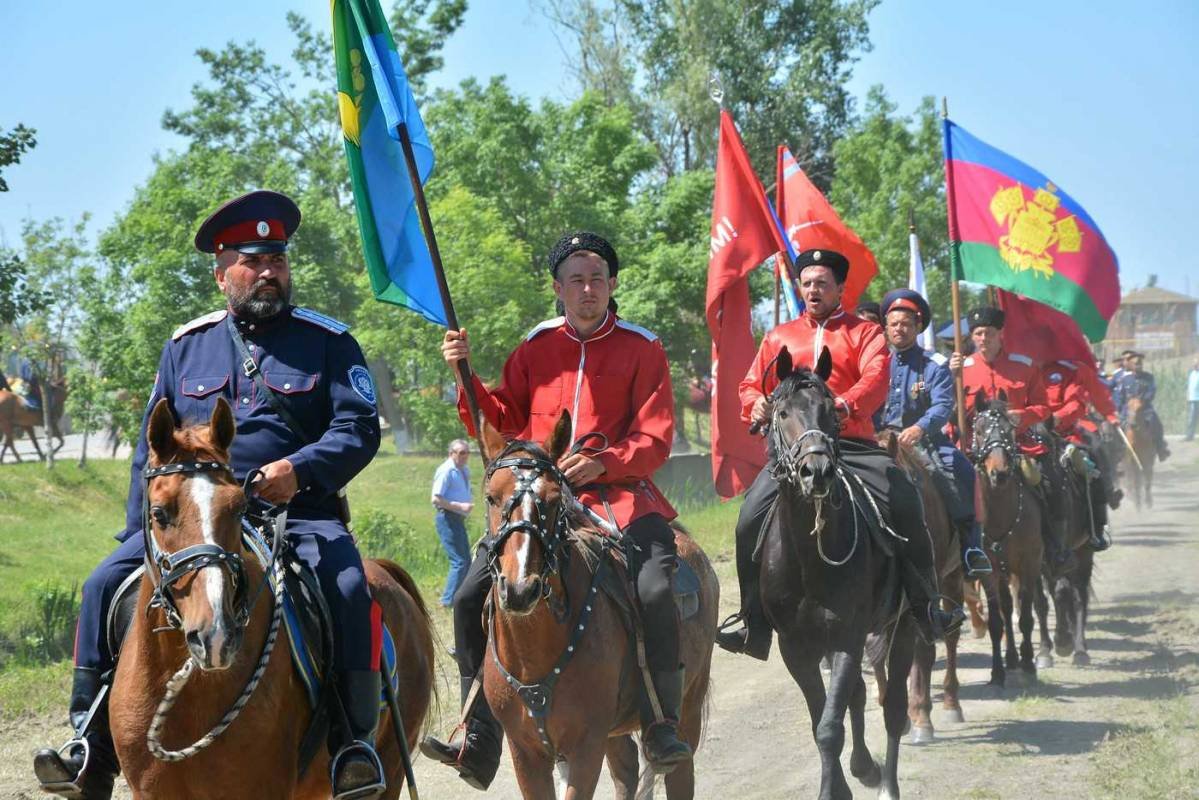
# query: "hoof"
[[1044, 661], [953, 716], [980, 632], [1012, 661], [870, 776], [922, 734], [1081, 659], [1064, 650]]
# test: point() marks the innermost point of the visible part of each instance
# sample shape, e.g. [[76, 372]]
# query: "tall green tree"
[[783, 65], [13, 145], [18, 295]]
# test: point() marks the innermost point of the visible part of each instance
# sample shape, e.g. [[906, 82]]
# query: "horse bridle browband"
[[165, 569], [1002, 442], [787, 457]]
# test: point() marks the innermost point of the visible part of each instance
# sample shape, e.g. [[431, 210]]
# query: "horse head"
[[994, 439], [1135, 411], [804, 426], [192, 513], [528, 505]]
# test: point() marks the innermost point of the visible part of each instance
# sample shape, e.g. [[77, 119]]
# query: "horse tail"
[[426, 633]]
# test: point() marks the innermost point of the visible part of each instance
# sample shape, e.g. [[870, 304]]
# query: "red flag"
[[810, 223], [1042, 333], [743, 236]]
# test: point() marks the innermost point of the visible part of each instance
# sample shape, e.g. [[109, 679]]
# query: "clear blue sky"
[[1101, 96]]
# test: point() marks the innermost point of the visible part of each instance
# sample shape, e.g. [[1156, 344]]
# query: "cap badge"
[[263, 228], [575, 240], [816, 256]]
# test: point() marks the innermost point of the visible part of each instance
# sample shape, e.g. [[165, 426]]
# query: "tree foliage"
[[13, 145]]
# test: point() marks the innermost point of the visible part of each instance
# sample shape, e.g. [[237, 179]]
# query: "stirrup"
[[975, 571], [69, 788], [357, 747], [732, 620]]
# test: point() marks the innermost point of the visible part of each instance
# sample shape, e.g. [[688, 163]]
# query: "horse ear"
[[1002, 395], [160, 432], [824, 364], [493, 442], [221, 425], [891, 443], [559, 441], [980, 401], [783, 366]]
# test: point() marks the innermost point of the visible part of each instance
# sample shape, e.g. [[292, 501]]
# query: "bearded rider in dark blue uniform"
[[318, 374], [920, 401]]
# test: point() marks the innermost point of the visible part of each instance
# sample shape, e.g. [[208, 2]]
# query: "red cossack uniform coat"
[[1066, 395], [861, 366], [615, 382]]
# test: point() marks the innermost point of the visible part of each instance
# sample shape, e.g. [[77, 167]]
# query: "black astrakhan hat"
[[838, 263], [986, 316], [869, 307], [908, 300], [257, 222], [572, 243]]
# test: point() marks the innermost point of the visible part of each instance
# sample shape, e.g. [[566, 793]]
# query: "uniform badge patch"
[[363, 383]]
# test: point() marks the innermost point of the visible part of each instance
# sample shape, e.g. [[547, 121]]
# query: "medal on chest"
[[917, 390]]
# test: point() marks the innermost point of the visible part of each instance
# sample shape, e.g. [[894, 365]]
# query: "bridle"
[[526, 470], [788, 458], [998, 436], [166, 568]]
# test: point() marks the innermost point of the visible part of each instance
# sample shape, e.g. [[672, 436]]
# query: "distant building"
[[1154, 321]]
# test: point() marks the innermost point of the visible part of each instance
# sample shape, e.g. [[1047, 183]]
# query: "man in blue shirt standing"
[[920, 400], [1192, 399], [452, 499]]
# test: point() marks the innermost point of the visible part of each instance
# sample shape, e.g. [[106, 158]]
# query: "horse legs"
[[623, 766], [861, 764], [1009, 625], [583, 768], [680, 781], [1041, 604], [1147, 481], [895, 710], [828, 726], [950, 705], [1025, 593], [36, 447], [995, 629], [1082, 587], [920, 700], [534, 773]]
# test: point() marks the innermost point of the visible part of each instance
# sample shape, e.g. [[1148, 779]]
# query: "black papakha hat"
[[256, 222], [575, 242], [869, 307], [838, 263], [986, 316]]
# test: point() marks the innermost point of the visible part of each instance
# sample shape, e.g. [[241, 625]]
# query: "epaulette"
[[198, 323], [938, 358], [628, 326], [319, 320], [1067, 364], [1020, 357], [549, 324], [968, 361]]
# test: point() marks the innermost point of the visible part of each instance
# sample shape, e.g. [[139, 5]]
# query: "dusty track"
[[1043, 740]]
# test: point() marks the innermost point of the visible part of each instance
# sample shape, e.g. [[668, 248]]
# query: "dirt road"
[[1124, 727]]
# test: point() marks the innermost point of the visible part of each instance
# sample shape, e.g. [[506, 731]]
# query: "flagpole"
[[959, 389], [465, 374]]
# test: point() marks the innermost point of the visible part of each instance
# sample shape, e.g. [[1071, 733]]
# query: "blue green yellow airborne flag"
[[374, 99]]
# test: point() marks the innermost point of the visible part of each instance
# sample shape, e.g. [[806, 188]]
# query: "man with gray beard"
[[304, 406]]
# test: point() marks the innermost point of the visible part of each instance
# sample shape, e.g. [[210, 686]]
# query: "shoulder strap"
[[251, 371]]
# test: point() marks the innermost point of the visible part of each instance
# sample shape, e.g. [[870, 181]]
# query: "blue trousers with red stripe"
[[321, 542]]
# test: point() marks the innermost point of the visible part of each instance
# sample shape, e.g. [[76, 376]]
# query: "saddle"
[[615, 582], [309, 632]]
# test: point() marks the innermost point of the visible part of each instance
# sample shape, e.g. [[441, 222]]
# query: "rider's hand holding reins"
[[278, 483], [579, 469], [760, 413], [910, 435]]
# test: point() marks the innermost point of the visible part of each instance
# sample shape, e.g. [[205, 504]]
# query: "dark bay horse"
[[554, 624], [256, 756], [1011, 515], [947, 550], [826, 584], [1140, 436]]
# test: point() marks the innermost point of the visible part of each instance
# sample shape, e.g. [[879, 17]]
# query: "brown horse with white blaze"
[[560, 641], [224, 629]]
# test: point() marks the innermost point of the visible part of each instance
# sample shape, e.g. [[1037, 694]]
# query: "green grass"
[[1154, 762]]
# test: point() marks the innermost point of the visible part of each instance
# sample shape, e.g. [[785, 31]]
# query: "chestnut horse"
[[15, 416], [1140, 436], [947, 550], [257, 755], [556, 632], [1011, 516]]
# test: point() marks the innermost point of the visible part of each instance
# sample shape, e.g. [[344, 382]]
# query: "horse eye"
[[160, 515], [783, 414]]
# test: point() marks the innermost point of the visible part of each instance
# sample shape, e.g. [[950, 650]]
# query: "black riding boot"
[[753, 636], [664, 750], [85, 767], [355, 771], [1101, 532], [919, 583], [474, 749]]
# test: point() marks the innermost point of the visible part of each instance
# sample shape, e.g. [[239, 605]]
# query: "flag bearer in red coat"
[[613, 377], [859, 381]]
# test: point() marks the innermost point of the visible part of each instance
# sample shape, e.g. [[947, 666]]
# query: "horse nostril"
[[535, 586]]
